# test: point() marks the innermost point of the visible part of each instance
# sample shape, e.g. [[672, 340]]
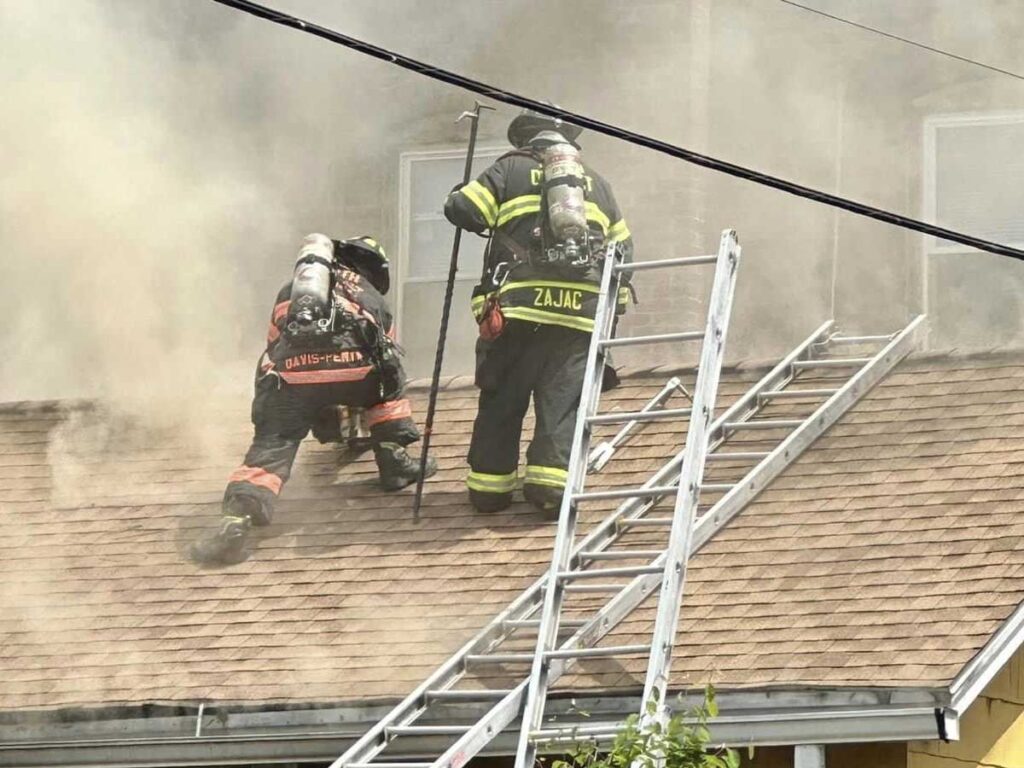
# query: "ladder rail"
[[547, 635], [691, 477]]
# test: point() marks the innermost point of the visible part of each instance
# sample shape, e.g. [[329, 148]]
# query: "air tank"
[[564, 184], [311, 284]]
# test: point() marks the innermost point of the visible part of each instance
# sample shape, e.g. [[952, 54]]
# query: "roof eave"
[[987, 663], [765, 717]]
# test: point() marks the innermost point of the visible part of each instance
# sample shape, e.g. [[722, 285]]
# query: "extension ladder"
[[449, 718]]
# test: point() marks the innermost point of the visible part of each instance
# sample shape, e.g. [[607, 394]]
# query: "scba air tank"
[[311, 285], [564, 186]]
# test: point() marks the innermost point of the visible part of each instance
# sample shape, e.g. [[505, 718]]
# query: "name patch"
[[344, 357], [558, 298]]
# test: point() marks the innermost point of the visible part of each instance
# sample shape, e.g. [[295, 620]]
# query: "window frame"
[[930, 246], [407, 159]]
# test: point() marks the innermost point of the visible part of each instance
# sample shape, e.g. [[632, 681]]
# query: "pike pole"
[[453, 268]]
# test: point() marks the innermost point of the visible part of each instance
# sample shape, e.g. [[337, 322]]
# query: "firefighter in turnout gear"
[[330, 343], [550, 218]]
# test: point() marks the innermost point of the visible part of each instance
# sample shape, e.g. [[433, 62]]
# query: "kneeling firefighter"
[[330, 343], [551, 218]]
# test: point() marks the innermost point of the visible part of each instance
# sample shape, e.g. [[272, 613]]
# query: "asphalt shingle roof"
[[885, 556]]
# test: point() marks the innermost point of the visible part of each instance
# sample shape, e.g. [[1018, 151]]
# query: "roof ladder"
[[493, 679]]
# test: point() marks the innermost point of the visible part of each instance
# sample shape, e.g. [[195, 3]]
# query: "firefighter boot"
[[397, 468], [489, 502], [546, 499], [227, 545]]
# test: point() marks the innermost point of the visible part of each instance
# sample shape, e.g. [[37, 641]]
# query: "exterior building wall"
[[991, 731], [786, 94]]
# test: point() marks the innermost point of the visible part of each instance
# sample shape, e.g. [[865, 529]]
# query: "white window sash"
[[482, 156]]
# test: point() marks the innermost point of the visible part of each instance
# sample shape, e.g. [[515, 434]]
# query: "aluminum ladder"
[[440, 687], [451, 717]]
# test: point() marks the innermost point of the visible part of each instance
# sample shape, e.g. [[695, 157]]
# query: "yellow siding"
[[991, 731], [836, 756]]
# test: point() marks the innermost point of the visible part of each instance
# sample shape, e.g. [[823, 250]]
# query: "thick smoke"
[[162, 159]]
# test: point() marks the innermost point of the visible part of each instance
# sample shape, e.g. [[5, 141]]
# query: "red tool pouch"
[[492, 321]]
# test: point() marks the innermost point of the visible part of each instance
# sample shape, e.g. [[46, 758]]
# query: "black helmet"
[[528, 124], [366, 256]]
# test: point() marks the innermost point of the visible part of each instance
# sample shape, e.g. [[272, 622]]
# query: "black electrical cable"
[[891, 36], [706, 161]]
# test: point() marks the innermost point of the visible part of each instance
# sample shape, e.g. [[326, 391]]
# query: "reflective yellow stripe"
[[623, 296], [518, 206], [480, 481], [596, 214], [619, 231], [588, 287], [482, 198], [477, 305], [550, 476], [549, 318], [487, 196]]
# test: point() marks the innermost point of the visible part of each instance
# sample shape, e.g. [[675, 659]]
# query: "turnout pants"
[[283, 414], [546, 362]]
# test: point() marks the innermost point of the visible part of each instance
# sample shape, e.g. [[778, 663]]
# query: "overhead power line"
[[607, 129], [891, 36]]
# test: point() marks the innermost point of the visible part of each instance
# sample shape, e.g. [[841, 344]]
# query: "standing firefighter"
[[550, 218], [329, 344]]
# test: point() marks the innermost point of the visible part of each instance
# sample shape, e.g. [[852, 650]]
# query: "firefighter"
[[547, 214], [330, 343]]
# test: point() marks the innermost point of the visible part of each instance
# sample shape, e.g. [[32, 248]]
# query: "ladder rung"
[[583, 653], [388, 765], [835, 362], [467, 695], [716, 487], [595, 587], [859, 339], [534, 623], [794, 393], [642, 521], [611, 573], [658, 338], [764, 424], [685, 261], [427, 730], [615, 418], [738, 456], [499, 658], [625, 493], [623, 554]]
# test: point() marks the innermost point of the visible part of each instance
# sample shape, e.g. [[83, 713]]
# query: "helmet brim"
[[524, 127]]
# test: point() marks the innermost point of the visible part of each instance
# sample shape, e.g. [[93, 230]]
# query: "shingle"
[[886, 555]]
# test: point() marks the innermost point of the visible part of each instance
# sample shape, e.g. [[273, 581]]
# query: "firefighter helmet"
[[366, 256], [528, 124]]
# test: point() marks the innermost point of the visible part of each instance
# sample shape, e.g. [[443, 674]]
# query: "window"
[[974, 182], [425, 247]]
